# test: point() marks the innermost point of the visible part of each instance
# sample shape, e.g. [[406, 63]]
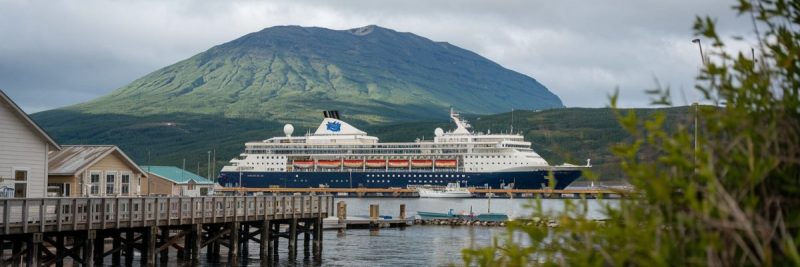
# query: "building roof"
[[71, 160], [24, 116], [176, 175]]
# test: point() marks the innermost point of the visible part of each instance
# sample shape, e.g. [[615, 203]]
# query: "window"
[[125, 183], [20, 175], [94, 180], [111, 178]]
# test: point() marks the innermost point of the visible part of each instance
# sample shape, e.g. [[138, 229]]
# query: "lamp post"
[[700, 45]]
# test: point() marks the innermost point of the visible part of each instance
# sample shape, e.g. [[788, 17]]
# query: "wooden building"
[[24, 148], [93, 170], [174, 181]]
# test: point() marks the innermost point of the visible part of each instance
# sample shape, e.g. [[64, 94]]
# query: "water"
[[422, 245]]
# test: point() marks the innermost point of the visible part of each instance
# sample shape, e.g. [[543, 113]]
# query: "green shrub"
[[730, 200]]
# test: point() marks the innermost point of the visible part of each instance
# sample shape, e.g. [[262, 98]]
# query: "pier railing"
[[35, 215]]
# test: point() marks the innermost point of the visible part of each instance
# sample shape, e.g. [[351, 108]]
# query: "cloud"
[[57, 53]]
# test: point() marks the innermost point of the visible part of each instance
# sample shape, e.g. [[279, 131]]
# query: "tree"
[[731, 200]]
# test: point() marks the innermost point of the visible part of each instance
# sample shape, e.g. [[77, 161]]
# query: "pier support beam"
[[275, 241], [265, 247], [233, 249], [293, 239], [60, 251], [116, 257], [129, 240], [33, 243], [149, 246], [88, 248], [163, 239], [197, 242]]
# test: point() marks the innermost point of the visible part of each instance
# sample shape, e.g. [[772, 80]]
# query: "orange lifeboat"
[[353, 163], [446, 163], [421, 163], [376, 163], [303, 164], [329, 163], [398, 163]]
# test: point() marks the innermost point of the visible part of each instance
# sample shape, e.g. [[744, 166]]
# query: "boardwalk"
[[38, 230]]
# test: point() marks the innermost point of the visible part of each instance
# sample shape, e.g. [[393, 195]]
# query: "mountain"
[[291, 73]]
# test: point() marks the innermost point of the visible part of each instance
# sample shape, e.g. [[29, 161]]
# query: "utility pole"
[[208, 166]]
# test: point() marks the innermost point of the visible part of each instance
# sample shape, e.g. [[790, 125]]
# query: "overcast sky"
[[58, 53]]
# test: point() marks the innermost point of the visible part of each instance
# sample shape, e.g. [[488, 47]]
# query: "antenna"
[[512, 121]]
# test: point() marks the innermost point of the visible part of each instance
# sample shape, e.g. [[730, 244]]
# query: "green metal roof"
[[176, 175]]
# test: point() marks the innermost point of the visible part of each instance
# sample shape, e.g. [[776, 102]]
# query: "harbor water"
[[421, 245]]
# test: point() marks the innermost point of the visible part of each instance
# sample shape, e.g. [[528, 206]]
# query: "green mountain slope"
[[560, 135], [290, 73]]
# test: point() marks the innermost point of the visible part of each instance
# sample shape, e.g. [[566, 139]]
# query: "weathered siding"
[[160, 185], [22, 147], [113, 163]]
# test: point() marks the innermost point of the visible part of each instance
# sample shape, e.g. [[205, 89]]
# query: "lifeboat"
[[329, 163], [353, 163], [303, 164], [446, 163], [398, 163], [376, 163], [421, 163]]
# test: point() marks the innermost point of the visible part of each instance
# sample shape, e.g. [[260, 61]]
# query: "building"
[[168, 180], [24, 148], [93, 170]]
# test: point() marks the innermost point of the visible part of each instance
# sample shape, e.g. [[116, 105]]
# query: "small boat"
[[353, 163], [453, 190], [425, 215], [303, 164], [398, 163], [421, 163], [492, 217], [329, 163], [446, 163], [376, 163]]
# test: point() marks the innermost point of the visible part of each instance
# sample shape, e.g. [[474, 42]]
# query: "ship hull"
[[399, 179]]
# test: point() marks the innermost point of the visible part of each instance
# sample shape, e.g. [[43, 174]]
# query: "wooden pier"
[[410, 192], [46, 231]]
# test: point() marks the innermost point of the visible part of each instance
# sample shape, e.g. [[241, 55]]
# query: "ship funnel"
[[333, 114]]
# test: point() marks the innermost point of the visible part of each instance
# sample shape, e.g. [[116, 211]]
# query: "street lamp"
[[699, 45]]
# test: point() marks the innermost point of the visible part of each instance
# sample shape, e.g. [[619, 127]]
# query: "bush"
[[729, 200]]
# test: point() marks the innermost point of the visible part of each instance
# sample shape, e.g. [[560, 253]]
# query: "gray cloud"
[[57, 53]]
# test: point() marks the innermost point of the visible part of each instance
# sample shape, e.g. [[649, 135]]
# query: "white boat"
[[453, 190]]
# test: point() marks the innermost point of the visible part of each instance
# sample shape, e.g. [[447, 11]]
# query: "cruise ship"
[[338, 155]]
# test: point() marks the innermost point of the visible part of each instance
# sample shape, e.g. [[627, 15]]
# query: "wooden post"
[[197, 242], [164, 238], [233, 250], [402, 211], [341, 213], [116, 257], [276, 240], [306, 236], [88, 248], [149, 249], [243, 240], [60, 252], [33, 247], [99, 247], [264, 245], [373, 218], [129, 237], [293, 238], [317, 244]]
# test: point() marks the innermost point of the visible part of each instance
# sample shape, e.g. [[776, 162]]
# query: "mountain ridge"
[[378, 75]]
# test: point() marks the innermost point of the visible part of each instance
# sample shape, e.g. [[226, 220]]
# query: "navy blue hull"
[[516, 180]]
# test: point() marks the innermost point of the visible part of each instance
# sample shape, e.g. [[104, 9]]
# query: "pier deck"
[[32, 227]]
